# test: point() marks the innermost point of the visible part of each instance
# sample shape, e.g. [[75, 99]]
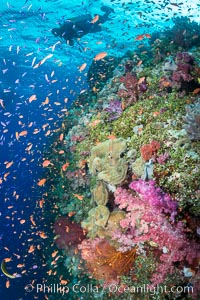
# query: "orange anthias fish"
[[7, 259], [61, 152], [31, 249], [9, 164], [82, 67], [46, 163], [139, 37], [141, 80], [32, 98], [196, 91], [142, 36], [42, 182], [41, 202], [79, 197], [22, 133], [22, 221], [32, 221], [42, 235], [54, 253], [61, 137], [95, 19], [46, 101], [139, 63], [7, 284], [71, 213], [65, 166], [100, 55]]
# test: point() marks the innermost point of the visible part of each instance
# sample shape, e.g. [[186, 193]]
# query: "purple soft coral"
[[185, 64], [114, 110]]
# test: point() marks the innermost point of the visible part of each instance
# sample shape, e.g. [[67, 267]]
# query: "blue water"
[[26, 39]]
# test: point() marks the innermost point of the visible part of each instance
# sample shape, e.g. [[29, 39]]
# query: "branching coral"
[[104, 262]]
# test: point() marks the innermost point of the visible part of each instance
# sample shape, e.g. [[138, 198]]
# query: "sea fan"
[[192, 121], [104, 262]]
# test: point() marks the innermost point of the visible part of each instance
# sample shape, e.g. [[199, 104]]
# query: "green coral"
[[96, 220], [105, 161], [100, 193]]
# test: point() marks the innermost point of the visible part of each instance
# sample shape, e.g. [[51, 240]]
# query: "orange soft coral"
[[148, 150]]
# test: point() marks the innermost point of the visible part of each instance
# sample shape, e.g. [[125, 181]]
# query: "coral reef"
[[133, 177], [100, 71]]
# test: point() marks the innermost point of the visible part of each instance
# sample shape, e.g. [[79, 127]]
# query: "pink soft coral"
[[155, 196], [146, 224]]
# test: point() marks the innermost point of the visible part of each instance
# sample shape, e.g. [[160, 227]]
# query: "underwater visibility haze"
[[100, 149]]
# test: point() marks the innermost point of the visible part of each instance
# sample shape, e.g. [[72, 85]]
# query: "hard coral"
[[68, 234], [192, 121]]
